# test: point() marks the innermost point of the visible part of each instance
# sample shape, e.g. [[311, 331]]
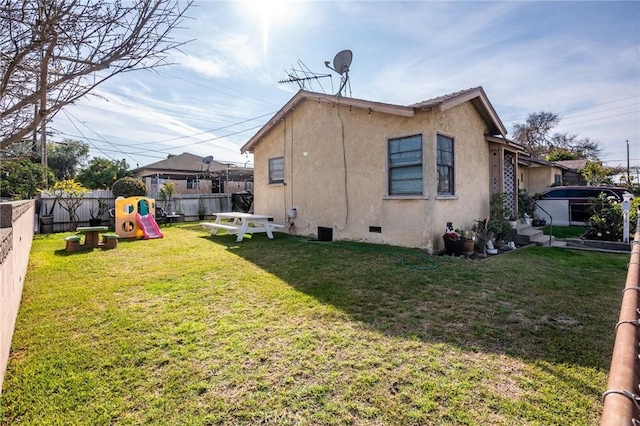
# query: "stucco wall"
[[541, 179], [16, 235], [311, 141]]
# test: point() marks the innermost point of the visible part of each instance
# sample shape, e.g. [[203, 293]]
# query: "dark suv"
[[579, 196]]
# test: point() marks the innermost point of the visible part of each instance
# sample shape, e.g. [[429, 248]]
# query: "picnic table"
[[242, 223], [91, 238], [91, 235]]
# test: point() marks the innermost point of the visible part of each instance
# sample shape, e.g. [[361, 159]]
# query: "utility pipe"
[[620, 399]]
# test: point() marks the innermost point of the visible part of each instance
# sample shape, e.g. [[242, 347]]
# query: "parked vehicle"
[[578, 196]]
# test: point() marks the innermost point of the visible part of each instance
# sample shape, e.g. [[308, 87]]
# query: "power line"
[[579, 108], [69, 115], [246, 95], [602, 118]]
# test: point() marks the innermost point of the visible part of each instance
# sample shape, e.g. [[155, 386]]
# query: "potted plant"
[[483, 237], [96, 214], [457, 242]]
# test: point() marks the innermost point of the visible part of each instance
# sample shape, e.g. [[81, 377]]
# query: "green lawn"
[[193, 329], [566, 231]]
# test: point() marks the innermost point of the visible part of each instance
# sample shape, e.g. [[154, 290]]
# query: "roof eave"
[[482, 104]]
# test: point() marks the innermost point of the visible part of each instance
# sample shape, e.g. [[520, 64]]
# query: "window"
[[405, 166], [193, 183], [276, 170], [445, 165], [557, 179]]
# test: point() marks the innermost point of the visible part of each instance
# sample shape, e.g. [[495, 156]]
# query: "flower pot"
[[95, 222], [459, 246], [46, 224]]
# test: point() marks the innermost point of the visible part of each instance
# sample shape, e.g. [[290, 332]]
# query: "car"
[[579, 196]]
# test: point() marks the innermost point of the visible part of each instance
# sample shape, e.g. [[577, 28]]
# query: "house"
[[536, 175], [192, 174], [351, 169], [572, 169]]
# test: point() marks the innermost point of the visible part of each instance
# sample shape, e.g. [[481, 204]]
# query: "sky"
[[578, 59]]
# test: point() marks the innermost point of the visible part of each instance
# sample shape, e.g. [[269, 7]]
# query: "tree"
[[66, 158], [102, 173], [536, 138], [69, 194], [129, 187], [595, 173], [20, 179], [52, 53], [561, 154]]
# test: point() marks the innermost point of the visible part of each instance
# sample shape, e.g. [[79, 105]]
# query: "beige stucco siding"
[[540, 179], [351, 200]]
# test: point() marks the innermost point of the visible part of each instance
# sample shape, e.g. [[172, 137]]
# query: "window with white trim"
[[405, 165], [276, 170]]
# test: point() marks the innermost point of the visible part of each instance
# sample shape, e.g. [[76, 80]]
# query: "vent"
[[325, 234], [375, 229]]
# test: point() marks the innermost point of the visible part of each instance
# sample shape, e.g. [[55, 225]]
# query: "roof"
[[475, 95], [478, 99], [575, 165], [186, 164]]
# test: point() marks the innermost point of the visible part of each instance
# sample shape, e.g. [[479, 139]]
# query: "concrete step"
[[530, 235]]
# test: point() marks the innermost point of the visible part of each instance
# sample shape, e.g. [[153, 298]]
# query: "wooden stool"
[[73, 243], [109, 241]]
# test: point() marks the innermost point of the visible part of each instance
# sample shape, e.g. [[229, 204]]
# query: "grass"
[[566, 231], [192, 329]]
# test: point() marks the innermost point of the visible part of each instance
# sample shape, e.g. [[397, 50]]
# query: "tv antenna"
[[303, 76], [341, 64]]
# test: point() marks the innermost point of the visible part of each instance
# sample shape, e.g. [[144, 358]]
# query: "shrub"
[[498, 217], [129, 187], [607, 222]]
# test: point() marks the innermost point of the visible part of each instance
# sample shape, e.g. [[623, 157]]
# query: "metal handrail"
[[621, 400], [548, 214]]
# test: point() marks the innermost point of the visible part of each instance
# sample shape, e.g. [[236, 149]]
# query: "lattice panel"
[[510, 181]]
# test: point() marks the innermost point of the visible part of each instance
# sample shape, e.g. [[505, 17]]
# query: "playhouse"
[[135, 218]]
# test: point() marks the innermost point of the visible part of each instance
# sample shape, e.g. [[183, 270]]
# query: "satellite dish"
[[208, 159], [342, 61], [341, 64]]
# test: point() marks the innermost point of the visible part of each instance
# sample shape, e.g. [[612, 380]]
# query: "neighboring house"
[[368, 171], [536, 175], [191, 175], [572, 169]]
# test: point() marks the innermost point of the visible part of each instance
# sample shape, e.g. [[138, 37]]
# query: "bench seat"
[[73, 243], [109, 241], [230, 228]]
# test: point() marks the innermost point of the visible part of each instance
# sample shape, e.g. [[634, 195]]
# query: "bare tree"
[[53, 52], [536, 138]]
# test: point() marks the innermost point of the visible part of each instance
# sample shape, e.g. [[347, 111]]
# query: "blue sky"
[[578, 59]]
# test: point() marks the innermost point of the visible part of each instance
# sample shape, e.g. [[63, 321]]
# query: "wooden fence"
[[189, 204]]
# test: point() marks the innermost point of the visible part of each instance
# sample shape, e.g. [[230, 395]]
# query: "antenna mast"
[[309, 76]]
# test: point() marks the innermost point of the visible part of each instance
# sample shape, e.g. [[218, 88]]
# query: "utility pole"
[[41, 28]]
